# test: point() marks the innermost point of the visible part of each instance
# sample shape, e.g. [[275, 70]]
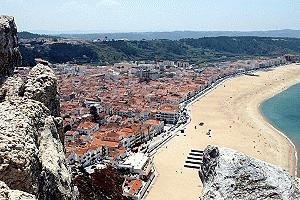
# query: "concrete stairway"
[[194, 159]]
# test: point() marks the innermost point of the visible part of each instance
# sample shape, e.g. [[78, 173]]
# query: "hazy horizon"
[[116, 32], [121, 16]]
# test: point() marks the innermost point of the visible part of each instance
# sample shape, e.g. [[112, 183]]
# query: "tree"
[[66, 116], [94, 112], [102, 184], [67, 128]]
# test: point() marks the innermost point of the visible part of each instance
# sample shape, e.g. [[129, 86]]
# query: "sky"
[[152, 15]]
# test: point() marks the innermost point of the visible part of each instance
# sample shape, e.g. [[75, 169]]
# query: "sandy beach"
[[231, 112]]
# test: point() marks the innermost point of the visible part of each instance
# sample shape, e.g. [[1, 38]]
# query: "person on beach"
[[208, 133]]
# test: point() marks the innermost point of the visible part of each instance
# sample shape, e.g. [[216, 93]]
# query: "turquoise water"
[[283, 112]]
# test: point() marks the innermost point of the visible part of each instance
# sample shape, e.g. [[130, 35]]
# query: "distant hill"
[[200, 50], [28, 35], [177, 35]]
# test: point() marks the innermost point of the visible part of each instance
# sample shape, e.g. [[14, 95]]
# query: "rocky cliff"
[[32, 161], [227, 174], [9, 51], [7, 193]]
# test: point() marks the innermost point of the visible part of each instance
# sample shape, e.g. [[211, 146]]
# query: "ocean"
[[283, 112]]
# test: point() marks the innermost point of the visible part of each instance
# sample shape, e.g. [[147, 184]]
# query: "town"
[[149, 100], [119, 115]]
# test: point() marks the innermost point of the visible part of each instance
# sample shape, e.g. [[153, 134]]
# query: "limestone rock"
[[31, 150], [10, 56], [41, 85], [7, 193], [228, 174]]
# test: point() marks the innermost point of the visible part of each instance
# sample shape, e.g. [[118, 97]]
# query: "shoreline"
[[281, 132], [265, 119], [288, 139], [277, 130], [231, 111]]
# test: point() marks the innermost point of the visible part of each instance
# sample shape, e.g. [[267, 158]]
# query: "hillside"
[[177, 35], [28, 35], [195, 50]]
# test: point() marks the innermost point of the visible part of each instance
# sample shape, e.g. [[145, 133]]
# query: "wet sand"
[[231, 112]]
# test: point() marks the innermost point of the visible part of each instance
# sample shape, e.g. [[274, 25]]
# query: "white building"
[[125, 64], [182, 64], [71, 136], [157, 127], [86, 156], [148, 74], [169, 116], [136, 188], [87, 128], [74, 70], [138, 163], [165, 63], [148, 71], [143, 172]]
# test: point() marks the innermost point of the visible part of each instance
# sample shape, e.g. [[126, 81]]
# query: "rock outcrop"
[[41, 85], [31, 150], [10, 56], [228, 174], [7, 193]]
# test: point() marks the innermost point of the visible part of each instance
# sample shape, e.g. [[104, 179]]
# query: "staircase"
[[194, 159]]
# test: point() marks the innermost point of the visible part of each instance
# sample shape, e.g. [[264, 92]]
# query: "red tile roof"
[[135, 185]]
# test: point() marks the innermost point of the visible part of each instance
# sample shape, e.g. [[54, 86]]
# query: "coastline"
[[288, 139], [279, 131], [231, 128], [293, 168]]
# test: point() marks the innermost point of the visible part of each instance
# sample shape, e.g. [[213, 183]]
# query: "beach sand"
[[231, 112]]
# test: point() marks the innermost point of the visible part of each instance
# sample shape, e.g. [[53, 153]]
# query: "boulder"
[[10, 56], [228, 174], [7, 193]]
